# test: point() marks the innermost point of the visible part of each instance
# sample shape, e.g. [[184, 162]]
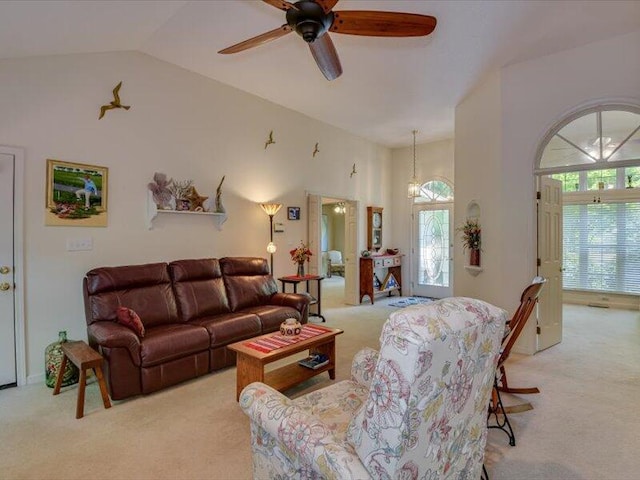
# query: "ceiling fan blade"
[[326, 57], [280, 4], [259, 40], [327, 5], [382, 24]]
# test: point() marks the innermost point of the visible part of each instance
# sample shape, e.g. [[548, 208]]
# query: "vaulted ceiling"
[[390, 86]]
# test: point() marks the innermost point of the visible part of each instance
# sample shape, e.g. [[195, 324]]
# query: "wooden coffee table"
[[251, 363]]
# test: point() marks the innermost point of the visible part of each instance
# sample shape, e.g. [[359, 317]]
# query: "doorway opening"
[[332, 244]]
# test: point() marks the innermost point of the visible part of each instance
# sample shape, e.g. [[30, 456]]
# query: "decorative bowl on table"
[[290, 327], [393, 251]]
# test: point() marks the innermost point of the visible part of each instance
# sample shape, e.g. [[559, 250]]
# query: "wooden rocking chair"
[[528, 301]]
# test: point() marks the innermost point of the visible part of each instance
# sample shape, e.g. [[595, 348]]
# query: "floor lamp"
[[271, 209]]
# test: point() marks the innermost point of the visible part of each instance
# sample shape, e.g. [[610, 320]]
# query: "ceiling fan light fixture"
[[308, 30], [309, 20]]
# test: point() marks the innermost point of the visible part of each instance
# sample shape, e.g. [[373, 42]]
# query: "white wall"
[[516, 108], [478, 179], [433, 161], [186, 126]]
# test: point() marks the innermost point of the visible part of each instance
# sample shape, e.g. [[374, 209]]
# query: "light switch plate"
[[79, 244]]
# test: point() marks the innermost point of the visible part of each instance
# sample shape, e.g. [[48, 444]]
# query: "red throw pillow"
[[129, 318]]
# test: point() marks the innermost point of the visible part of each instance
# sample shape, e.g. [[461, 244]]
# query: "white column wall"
[[478, 179]]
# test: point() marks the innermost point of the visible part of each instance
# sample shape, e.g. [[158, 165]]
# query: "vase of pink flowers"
[[299, 255]]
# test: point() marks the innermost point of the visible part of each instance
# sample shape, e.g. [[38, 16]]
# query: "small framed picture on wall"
[[293, 213]]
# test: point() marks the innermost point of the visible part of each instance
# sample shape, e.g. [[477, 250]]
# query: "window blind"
[[601, 247]]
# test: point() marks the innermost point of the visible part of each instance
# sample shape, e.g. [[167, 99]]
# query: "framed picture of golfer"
[[76, 194]]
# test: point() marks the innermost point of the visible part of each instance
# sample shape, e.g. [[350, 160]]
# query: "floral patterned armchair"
[[416, 409]]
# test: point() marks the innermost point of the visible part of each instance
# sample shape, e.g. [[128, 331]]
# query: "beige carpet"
[[583, 426]]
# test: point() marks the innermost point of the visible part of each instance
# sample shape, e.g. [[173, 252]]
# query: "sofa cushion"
[[146, 289], [231, 327], [130, 319], [247, 281], [199, 288], [271, 316], [168, 342], [335, 405]]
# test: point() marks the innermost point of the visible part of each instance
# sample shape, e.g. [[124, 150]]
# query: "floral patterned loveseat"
[[416, 409]]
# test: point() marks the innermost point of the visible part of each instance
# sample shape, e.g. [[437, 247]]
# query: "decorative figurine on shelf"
[[629, 181], [299, 255], [196, 200], [471, 239], [181, 191], [219, 206], [161, 191]]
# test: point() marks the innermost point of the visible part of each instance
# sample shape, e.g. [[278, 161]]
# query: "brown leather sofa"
[[191, 310]]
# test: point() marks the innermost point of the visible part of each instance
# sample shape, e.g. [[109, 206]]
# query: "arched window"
[[435, 191], [603, 137]]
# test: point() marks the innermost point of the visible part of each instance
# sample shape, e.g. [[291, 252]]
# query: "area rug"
[[405, 302]]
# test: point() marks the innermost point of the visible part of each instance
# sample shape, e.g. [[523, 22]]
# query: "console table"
[[389, 265], [295, 280]]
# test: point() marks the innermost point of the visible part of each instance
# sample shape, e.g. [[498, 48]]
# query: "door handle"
[[4, 270], [4, 286]]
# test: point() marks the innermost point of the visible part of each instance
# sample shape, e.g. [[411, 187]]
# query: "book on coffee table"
[[314, 361]]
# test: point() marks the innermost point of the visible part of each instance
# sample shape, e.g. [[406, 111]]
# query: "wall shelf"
[[153, 211], [473, 270]]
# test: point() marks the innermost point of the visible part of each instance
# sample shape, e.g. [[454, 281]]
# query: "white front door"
[[8, 373], [550, 262], [432, 259]]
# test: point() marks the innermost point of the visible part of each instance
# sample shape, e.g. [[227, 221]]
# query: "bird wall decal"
[[353, 171], [315, 149], [270, 140], [115, 103]]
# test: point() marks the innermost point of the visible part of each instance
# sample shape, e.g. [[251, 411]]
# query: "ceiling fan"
[[314, 19]]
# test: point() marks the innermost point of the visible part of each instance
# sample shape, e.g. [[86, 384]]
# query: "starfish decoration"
[[270, 140], [315, 149], [353, 171], [115, 103], [196, 200]]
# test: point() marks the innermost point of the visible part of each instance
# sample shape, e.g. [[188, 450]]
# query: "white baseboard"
[[603, 300], [33, 379]]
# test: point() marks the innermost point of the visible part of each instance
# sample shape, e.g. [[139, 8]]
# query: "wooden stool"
[[83, 357]]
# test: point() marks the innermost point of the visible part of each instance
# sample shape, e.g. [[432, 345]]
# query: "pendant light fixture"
[[414, 185]]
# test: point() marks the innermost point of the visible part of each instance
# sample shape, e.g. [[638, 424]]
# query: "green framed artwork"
[[76, 194]]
